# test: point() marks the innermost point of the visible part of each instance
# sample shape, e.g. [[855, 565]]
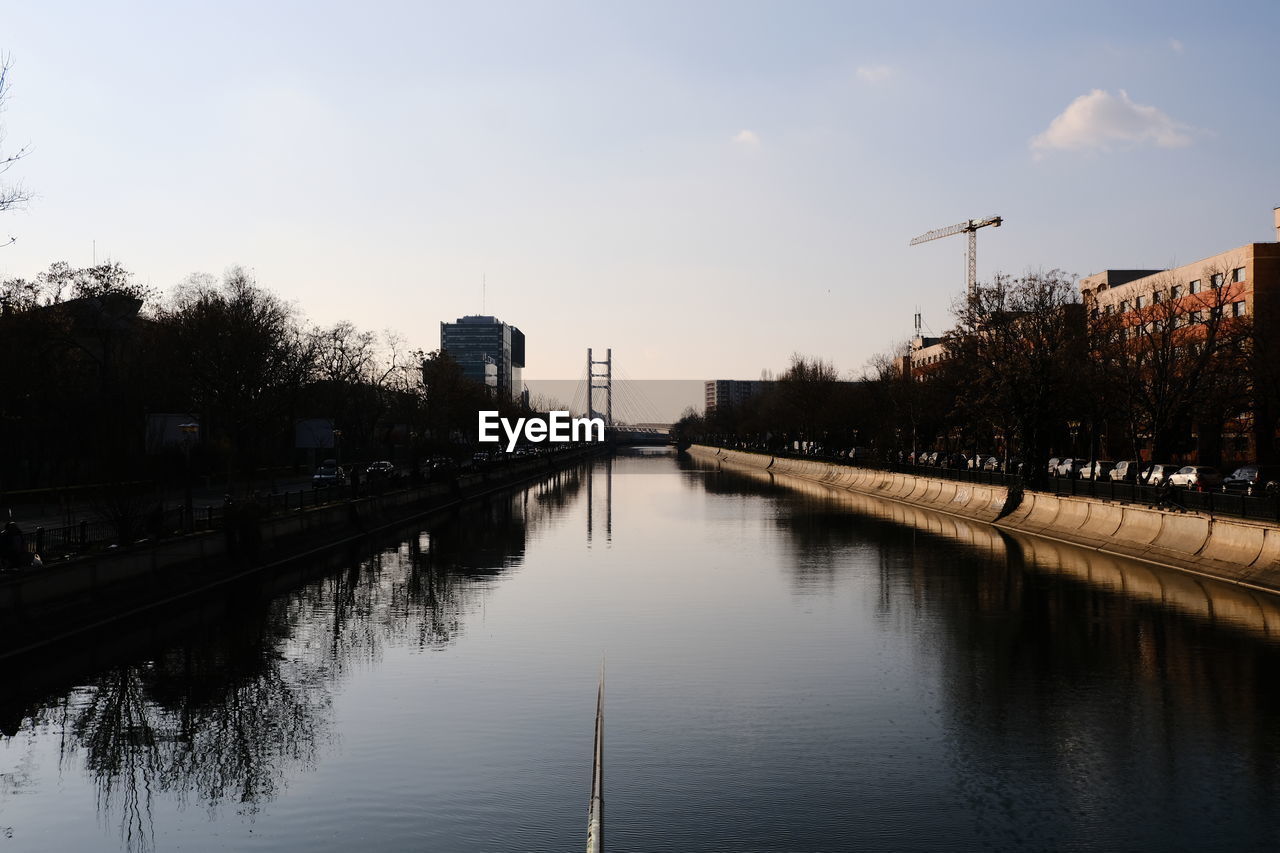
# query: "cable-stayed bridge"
[[629, 418]]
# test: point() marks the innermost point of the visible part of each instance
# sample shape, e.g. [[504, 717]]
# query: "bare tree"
[[1017, 350], [11, 195], [1177, 358], [239, 352]]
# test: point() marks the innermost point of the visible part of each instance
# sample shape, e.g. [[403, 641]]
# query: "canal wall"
[[1234, 550], [59, 599]]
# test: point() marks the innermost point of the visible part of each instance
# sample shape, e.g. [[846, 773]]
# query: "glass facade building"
[[490, 352]]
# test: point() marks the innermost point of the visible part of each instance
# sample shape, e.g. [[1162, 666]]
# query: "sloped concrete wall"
[[1235, 550]]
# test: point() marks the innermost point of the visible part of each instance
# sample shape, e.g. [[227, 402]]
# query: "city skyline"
[[704, 189]]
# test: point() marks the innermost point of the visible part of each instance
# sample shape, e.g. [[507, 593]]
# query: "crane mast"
[[969, 226]]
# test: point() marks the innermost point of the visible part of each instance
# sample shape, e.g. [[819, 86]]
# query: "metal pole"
[[608, 360]]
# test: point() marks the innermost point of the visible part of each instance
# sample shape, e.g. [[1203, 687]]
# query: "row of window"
[[1234, 309], [1176, 292]]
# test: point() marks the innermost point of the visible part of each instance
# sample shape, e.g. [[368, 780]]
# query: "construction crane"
[[970, 227]]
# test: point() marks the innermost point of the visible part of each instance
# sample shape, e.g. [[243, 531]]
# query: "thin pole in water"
[[595, 815]]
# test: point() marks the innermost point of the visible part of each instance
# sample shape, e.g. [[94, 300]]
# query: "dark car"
[[380, 469], [328, 474], [1253, 480]]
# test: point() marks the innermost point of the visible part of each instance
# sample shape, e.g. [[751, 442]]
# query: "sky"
[[704, 187]]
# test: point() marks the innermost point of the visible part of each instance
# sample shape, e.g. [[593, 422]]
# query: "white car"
[[1155, 475], [1198, 477]]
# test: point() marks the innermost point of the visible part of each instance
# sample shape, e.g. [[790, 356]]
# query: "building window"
[[1175, 292], [1106, 309], [1197, 316], [1216, 279], [1158, 297], [1195, 286], [1140, 302], [1238, 309], [1237, 274], [1124, 307]]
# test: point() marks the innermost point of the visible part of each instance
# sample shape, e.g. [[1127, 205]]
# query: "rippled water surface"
[[788, 669]]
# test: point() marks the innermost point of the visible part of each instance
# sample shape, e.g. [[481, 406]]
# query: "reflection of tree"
[[1066, 703], [231, 715], [224, 721]]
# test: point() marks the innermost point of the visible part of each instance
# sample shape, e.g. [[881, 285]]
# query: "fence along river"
[[790, 667]]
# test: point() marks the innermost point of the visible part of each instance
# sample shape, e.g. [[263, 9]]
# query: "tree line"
[[1030, 370], [91, 357]]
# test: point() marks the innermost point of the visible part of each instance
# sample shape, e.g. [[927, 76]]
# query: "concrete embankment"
[[1233, 550], [64, 598]]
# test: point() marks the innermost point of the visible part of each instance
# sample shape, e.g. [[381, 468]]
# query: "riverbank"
[[1232, 550], [59, 601]]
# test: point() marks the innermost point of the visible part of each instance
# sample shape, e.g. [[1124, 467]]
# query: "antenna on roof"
[[917, 322]]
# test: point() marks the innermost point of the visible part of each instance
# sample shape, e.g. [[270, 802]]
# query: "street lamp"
[[189, 433]]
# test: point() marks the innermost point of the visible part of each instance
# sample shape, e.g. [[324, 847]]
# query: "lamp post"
[[189, 433]]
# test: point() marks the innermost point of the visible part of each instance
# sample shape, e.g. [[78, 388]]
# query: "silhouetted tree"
[[1017, 348], [11, 195]]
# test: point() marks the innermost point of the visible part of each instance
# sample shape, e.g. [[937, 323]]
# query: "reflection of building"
[[490, 352], [733, 392]]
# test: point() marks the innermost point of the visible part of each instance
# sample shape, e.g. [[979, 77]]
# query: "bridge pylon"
[[600, 381]]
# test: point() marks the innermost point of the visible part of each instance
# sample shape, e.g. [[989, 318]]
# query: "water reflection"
[[1075, 683], [229, 715], [793, 666], [836, 519]]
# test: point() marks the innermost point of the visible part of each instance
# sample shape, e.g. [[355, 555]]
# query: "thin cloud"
[[1100, 121], [747, 137], [874, 73]]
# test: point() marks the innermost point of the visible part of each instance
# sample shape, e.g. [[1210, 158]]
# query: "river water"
[[788, 669]]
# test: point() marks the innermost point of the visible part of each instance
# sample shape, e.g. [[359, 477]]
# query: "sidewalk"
[[51, 513]]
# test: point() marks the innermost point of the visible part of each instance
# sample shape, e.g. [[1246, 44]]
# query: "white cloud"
[[1100, 120], [874, 73], [747, 137], [1175, 45]]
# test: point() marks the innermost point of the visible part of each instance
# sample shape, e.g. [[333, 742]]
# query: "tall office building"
[[490, 352]]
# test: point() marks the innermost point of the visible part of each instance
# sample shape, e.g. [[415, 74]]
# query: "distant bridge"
[[633, 408], [646, 434]]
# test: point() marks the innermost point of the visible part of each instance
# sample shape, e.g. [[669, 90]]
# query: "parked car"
[[1098, 469], [1253, 480], [380, 469], [1068, 467], [1155, 475], [329, 473], [1126, 471], [1053, 466], [1198, 477], [992, 463]]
